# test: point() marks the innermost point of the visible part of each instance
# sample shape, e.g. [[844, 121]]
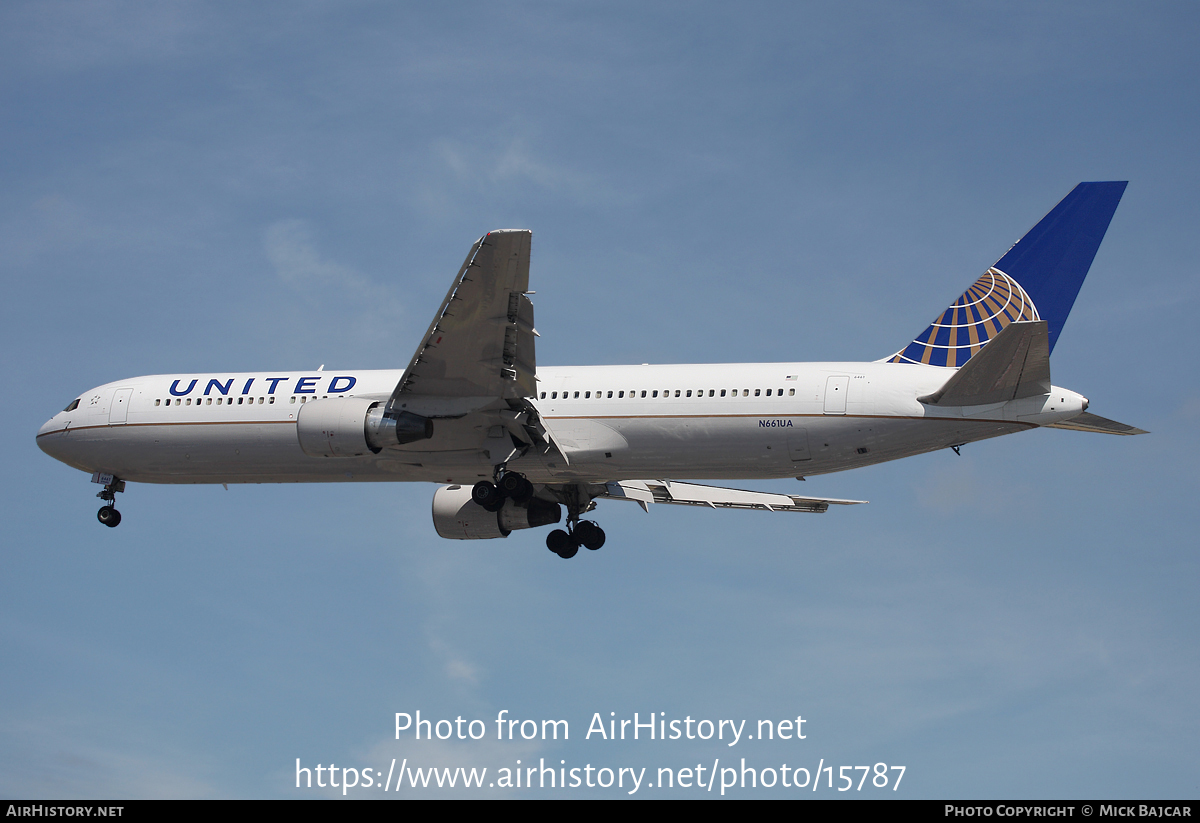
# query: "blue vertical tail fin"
[[1037, 279]]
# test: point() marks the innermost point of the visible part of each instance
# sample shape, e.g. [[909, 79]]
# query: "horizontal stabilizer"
[[693, 494], [1014, 364], [1088, 422]]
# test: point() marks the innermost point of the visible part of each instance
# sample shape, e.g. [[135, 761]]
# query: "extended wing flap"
[[481, 341], [1014, 364], [694, 494], [1088, 422]]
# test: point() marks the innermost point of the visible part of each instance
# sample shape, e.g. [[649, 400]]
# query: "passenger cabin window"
[[791, 392], [757, 392], [722, 393]]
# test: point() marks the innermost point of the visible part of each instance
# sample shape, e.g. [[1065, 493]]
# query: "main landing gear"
[[579, 532], [513, 486], [108, 514], [566, 543], [508, 486]]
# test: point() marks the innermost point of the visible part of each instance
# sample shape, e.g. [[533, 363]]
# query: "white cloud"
[[371, 312], [79, 36], [60, 758], [512, 161], [298, 263]]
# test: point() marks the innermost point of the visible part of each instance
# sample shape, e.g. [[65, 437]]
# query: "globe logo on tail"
[[991, 303]]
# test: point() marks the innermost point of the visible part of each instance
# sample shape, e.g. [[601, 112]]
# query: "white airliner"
[[515, 443]]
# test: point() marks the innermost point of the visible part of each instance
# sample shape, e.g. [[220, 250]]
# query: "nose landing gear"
[[108, 514]]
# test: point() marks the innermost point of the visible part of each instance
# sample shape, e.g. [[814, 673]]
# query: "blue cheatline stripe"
[[1037, 279]]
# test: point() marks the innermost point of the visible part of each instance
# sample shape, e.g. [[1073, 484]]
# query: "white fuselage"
[[718, 421]]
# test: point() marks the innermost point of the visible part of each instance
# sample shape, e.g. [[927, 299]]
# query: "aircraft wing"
[[645, 492], [480, 345]]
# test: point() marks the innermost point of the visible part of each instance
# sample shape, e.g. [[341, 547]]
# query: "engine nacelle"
[[355, 426], [457, 517], [395, 429]]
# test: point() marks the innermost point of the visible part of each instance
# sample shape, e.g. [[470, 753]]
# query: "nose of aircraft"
[[53, 440]]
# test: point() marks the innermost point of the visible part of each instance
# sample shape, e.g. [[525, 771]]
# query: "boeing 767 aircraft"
[[515, 444]]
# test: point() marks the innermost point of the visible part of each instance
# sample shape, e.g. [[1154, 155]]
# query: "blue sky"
[[220, 187]]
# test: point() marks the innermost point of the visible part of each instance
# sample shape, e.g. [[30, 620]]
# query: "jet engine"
[[354, 426], [457, 517]]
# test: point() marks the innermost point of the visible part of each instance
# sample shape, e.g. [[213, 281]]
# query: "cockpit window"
[[74, 405]]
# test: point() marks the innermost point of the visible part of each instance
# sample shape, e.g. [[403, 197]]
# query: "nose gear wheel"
[[108, 514]]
